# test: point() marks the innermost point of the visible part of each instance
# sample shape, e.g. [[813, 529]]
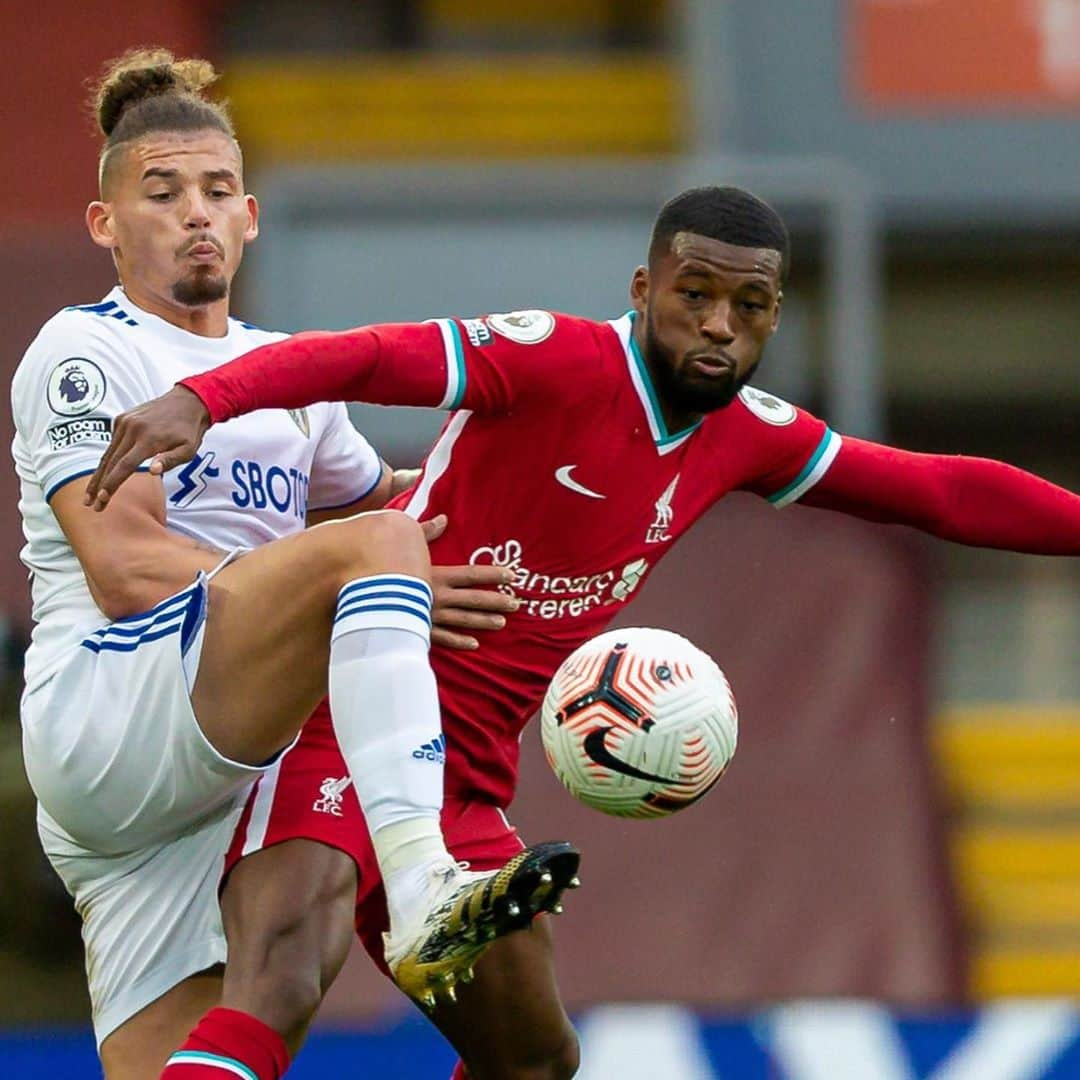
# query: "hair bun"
[[144, 73]]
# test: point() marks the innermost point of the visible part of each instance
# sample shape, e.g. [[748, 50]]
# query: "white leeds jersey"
[[253, 480]]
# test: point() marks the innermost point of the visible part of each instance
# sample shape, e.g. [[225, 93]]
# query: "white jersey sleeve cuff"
[[73, 470]]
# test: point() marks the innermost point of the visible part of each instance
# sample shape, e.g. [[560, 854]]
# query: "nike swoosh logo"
[[567, 481], [596, 747]]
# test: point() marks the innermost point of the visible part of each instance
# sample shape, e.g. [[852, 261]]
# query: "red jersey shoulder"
[[511, 358], [774, 443]]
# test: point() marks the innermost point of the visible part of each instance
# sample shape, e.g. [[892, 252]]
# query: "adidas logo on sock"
[[432, 751]]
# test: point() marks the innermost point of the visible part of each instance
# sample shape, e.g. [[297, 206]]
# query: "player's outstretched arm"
[[168, 430], [299, 371], [420, 364], [968, 500]]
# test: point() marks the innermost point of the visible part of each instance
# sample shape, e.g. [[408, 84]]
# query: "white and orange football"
[[639, 722]]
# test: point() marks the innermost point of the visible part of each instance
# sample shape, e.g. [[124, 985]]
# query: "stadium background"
[[887, 883]]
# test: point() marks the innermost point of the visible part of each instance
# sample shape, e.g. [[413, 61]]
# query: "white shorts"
[[136, 808]]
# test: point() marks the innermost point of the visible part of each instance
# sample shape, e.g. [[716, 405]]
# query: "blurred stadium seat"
[[1013, 778]]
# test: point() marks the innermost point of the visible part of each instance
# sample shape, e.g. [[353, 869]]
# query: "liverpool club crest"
[[658, 530]]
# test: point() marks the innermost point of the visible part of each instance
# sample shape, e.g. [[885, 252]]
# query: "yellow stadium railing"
[[1012, 779], [498, 107], [572, 14]]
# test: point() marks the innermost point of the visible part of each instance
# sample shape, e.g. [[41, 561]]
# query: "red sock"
[[459, 1072], [227, 1043]]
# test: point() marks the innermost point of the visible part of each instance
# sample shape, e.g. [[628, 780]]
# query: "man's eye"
[[693, 294], [220, 193], [161, 196]]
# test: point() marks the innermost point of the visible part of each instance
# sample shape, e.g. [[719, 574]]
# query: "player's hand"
[[168, 430], [465, 597]]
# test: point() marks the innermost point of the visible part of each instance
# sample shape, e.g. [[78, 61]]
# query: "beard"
[[205, 286], [688, 393]]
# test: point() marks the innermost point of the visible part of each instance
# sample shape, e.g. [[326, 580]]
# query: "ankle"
[[415, 842]]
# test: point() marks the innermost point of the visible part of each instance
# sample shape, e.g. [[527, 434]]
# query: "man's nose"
[[717, 322], [198, 215]]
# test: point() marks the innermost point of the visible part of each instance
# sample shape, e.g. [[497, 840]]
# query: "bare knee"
[[378, 542], [562, 1062], [568, 1059], [558, 1060]]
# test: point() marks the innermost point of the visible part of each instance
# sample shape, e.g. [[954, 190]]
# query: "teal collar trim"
[[639, 374]]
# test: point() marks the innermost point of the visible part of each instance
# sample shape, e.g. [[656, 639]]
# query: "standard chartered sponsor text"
[[557, 596]]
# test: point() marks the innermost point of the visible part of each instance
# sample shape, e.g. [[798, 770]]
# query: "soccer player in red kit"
[[599, 443]]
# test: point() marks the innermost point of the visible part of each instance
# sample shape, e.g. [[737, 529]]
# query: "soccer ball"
[[638, 722]]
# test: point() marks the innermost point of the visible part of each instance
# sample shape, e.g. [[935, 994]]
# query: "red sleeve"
[[968, 500], [392, 364], [487, 365]]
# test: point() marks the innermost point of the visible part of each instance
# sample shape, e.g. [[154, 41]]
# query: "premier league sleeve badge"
[[76, 387]]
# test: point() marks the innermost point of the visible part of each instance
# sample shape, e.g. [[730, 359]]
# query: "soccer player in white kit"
[[182, 640]]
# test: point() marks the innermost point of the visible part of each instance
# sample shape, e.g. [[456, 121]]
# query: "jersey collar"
[[224, 347], [665, 440]]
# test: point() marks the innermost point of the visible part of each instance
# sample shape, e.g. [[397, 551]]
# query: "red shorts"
[[307, 796]]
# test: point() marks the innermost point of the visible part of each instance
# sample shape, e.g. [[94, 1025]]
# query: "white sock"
[[386, 717]]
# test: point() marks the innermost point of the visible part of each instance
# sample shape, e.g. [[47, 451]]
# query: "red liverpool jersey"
[[556, 462]]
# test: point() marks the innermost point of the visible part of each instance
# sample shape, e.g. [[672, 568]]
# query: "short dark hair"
[[149, 90], [721, 213]]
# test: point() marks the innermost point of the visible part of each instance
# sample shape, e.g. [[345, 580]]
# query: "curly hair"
[[722, 213]]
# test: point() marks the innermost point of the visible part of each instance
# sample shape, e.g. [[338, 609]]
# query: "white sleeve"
[[75, 378], [346, 467]]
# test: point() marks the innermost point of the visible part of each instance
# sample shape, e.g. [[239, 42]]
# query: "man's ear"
[[99, 224], [776, 312], [639, 289], [253, 218]]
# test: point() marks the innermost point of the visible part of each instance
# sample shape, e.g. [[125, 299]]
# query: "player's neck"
[[675, 419], [206, 320]]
